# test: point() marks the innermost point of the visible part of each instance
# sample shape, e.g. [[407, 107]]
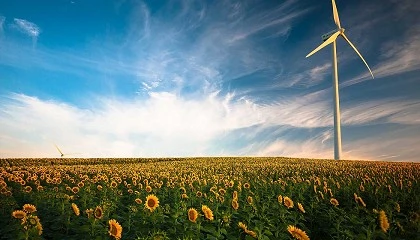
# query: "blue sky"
[[207, 78]]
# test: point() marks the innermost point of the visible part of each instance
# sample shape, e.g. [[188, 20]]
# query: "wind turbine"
[[62, 154], [329, 38]]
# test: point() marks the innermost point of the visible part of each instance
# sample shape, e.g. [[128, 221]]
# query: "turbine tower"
[[329, 38]]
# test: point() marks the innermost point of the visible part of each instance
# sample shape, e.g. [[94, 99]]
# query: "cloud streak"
[[169, 125], [27, 27]]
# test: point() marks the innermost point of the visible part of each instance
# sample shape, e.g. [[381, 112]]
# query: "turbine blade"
[[58, 149], [358, 53], [328, 41], [335, 14]]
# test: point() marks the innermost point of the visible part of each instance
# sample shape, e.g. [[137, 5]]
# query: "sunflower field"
[[208, 198]]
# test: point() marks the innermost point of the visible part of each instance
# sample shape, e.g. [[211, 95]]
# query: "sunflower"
[[242, 226], [383, 221], [29, 208], [235, 204], [75, 209], [288, 202], [247, 185], [99, 213], [184, 196], [301, 208], [249, 199], [89, 212], [80, 184], [251, 233], [114, 184], [148, 188], [297, 233], [235, 195], [360, 200], [99, 187], [39, 227], [138, 201], [192, 215], [231, 183], [334, 202], [75, 190], [397, 207], [199, 194], [19, 214], [152, 202], [222, 191], [28, 189], [280, 199], [115, 229], [207, 212], [321, 194]]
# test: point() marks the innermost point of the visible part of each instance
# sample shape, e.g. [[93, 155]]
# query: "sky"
[[183, 78]]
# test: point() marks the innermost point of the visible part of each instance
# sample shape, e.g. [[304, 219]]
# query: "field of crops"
[[208, 198]]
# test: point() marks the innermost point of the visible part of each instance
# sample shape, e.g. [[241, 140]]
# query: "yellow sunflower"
[[249, 199], [29, 208], [148, 188], [383, 221], [235, 204], [138, 201], [301, 208], [288, 202], [297, 233], [28, 189], [89, 212], [152, 202], [75, 209], [247, 185], [115, 229], [397, 207], [361, 202], [235, 195], [334, 201], [251, 233], [242, 226], [19, 214], [208, 213], [99, 213], [184, 196], [280, 199], [192, 215]]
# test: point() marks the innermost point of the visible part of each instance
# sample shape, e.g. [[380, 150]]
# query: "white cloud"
[[168, 125], [164, 125], [2, 20], [27, 27]]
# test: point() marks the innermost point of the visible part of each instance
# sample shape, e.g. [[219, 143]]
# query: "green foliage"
[[117, 185]]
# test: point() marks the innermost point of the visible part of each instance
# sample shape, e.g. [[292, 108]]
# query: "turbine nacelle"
[[329, 34]]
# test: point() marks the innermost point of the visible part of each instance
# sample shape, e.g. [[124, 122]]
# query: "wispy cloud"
[[27, 27], [169, 125], [2, 20], [395, 58]]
